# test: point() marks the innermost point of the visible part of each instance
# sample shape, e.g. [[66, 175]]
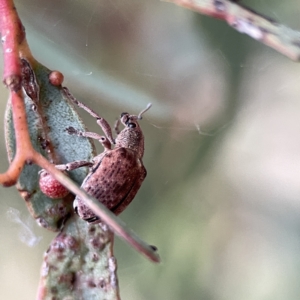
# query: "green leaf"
[[49, 113]]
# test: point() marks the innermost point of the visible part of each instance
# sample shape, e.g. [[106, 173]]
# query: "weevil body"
[[116, 174]]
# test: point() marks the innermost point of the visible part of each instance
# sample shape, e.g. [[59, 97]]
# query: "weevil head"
[[132, 136]]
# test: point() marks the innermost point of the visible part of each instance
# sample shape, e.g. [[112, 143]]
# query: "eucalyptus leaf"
[[49, 113], [79, 264]]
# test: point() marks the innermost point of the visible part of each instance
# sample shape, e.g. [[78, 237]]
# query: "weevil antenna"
[[139, 117]]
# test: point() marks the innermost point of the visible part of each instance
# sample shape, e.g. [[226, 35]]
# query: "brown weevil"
[[116, 174]]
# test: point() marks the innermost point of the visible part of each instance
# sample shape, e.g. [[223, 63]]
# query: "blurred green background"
[[221, 199]]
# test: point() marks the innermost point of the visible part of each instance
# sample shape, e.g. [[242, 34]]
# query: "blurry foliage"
[[221, 199]]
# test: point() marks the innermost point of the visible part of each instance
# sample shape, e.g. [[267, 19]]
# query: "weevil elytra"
[[116, 174]]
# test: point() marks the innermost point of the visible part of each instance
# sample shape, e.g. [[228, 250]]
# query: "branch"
[[245, 20]]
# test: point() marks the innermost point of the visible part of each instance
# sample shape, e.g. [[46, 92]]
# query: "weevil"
[[116, 174]]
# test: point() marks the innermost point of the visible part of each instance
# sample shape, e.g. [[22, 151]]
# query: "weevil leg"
[[100, 121], [116, 127], [102, 139], [74, 165], [105, 143]]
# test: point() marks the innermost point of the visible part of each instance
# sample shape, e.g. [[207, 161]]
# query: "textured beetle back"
[[114, 181]]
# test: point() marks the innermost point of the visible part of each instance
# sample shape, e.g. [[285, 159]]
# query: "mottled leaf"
[[79, 264]]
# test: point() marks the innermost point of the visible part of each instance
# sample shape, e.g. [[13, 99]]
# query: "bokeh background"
[[222, 197]]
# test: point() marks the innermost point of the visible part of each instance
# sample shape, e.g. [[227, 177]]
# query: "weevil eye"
[[131, 125], [123, 114]]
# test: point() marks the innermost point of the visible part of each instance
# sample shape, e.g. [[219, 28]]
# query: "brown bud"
[[56, 78]]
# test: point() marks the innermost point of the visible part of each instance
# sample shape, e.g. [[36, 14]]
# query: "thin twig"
[[246, 20]]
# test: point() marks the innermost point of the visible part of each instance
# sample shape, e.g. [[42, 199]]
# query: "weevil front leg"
[[102, 139], [100, 121]]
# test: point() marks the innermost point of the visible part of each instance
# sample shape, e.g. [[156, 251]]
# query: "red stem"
[[12, 35]]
